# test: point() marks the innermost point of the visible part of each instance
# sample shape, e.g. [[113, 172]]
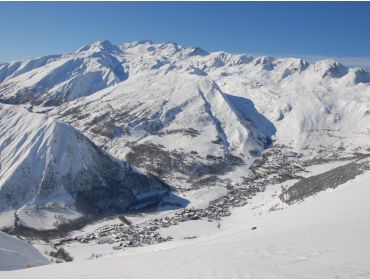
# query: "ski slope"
[[18, 254], [326, 236]]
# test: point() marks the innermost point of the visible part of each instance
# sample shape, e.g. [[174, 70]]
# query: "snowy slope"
[[322, 237], [312, 105], [52, 80], [300, 105], [18, 254], [50, 173], [324, 103], [197, 119], [179, 124], [183, 111], [208, 124]]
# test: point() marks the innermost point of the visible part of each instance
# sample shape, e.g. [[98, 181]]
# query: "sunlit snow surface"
[[324, 236], [180, 113], [46, 164], [18, 254]]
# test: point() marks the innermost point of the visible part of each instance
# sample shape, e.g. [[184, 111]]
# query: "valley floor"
[[325, 236]]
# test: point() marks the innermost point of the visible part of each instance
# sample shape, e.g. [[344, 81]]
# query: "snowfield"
[[325, 236], [18, 254]]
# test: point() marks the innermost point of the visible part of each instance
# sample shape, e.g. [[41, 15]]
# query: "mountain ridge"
[[193, 118], [110, 64]]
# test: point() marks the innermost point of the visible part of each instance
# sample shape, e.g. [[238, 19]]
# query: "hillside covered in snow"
[[264, 94], [18, 254], [223, 165], [194, 119], [54, 79], [223, 110], [51, 174], [324, 237]]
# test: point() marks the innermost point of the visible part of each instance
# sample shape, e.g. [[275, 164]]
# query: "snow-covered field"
[[18, 254], [325, 236]]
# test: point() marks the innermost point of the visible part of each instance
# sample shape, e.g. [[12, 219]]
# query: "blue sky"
[[317, 29]]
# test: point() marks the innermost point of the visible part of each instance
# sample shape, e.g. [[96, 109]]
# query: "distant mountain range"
[[72, 125]]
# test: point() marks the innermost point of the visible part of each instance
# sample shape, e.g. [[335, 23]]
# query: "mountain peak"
[[331, 68], [197, 51], [99, 46], [136, 43]]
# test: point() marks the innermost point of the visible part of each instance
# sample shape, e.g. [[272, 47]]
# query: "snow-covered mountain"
[[50, 173], [181, 125], [54, 79], [241, 138], [196, 119], [198, 109]]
